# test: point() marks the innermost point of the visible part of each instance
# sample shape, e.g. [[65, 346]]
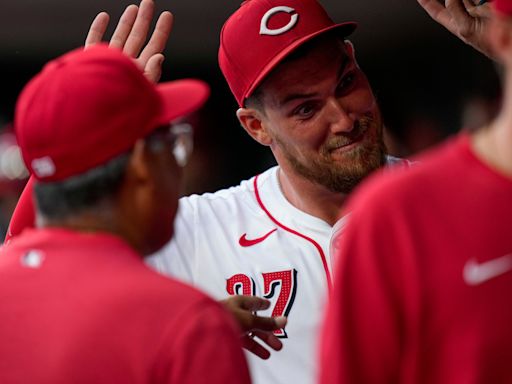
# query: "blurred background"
[[429, 84]]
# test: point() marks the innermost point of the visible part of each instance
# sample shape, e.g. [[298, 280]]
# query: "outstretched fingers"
[[124, 27], [158, 40], [139, 31], [131, 34], [97, 29]]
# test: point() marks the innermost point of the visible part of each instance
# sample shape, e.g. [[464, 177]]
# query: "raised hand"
[[243, 308], [463, 18], [131, 34]]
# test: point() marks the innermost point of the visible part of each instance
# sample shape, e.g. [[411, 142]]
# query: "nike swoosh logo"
[[475, 273], [245, 242]]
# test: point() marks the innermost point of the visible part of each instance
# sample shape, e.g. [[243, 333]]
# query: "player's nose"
[[340, 119]]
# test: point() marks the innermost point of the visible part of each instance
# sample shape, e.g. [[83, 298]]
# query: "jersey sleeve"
[[206, 348], [24, 213], [177, 258], [363, 329]]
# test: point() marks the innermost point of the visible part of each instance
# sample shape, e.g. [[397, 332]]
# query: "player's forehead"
[[303, 68]]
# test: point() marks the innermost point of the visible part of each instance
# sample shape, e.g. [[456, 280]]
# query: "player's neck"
[[93, 221], [492, 143], [311, 197]]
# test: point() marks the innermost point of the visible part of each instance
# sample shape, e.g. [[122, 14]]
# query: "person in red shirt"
[[77, 302], [132, 36], [424, 274]]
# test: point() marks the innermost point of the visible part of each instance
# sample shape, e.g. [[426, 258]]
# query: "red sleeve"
[[205, 349], [24, 213], [362, 338]]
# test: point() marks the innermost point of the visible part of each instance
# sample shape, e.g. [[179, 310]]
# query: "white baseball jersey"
[[250, 240]]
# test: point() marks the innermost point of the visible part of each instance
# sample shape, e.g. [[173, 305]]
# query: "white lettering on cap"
[[265, 30], [43, 167]]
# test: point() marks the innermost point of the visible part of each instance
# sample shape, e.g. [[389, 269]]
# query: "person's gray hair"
[[87, 191]]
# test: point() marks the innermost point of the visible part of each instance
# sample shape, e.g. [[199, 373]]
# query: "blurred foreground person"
[[132, 37], [77, 303], [422, 292]]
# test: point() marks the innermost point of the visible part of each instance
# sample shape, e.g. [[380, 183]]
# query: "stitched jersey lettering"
[[280, 283]]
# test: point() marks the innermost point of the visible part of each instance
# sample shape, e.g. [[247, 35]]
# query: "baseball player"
[[422, 290], [302, 94], [78, 305]]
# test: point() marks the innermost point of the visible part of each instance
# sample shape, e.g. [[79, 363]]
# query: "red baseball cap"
[[503, 6], [88, 106], [261, 33]]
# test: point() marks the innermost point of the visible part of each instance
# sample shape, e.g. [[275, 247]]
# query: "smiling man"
[[301, 93], [317, 113]]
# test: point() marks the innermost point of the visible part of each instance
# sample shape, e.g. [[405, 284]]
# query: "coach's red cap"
[[89, 106], [503, 6], [261, 33]]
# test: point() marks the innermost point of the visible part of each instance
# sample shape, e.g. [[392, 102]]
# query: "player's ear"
[[138, 169], [351, 50], [350, 47], [253, 122]]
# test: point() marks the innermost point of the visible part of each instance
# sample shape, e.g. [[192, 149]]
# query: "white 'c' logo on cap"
[[265, 30]]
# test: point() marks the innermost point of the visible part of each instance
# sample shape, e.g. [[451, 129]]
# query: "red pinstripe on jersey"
[[316, 245]]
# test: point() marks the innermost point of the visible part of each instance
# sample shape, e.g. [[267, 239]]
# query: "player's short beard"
[[342, 175]]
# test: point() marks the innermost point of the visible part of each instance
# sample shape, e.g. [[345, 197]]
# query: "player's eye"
[[346, 83], [305, 111]]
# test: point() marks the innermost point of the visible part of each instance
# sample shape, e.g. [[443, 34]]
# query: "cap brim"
[[181, 98], [345, 29]]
